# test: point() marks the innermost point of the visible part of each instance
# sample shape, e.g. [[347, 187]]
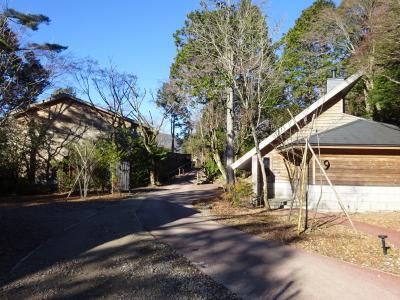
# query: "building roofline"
[[74, 98], [301, 141], [342, 146], [341, 88]]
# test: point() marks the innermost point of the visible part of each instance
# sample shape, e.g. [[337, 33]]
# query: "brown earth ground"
[[326, 238], [390, 220], [10, 201]]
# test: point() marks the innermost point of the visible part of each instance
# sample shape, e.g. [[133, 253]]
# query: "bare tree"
[[108, 86], [174, 103], [239, 38], [120, 95], [259, 76], [366, 32], [84, 159], [149, 128], [214, 33]]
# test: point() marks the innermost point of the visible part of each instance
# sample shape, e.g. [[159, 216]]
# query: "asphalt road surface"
[[153, 247], [107, 254], [251, 267]]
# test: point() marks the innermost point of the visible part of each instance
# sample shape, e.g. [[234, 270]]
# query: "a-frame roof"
[[333, 96]]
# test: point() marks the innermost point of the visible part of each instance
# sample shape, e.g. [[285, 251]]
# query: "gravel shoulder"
[[108, 255]]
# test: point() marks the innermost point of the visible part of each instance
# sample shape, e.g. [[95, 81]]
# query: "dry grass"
[[327, 238], [390, 220]]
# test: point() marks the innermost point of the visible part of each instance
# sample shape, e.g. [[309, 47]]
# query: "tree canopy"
[[22, 76]]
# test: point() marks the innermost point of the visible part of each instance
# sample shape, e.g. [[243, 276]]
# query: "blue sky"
[[135, 35]]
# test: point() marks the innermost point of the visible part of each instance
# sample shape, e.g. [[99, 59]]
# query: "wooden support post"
[[256, 176], [313, 170], [302, 193]]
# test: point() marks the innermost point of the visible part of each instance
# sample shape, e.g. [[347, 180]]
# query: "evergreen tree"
[[22, 76], [305, 61], [174, 106], [385, 97]]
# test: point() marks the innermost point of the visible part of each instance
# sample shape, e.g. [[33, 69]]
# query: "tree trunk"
[[220, 165], [216, 155], [112, 171], [173, 135], [262, 167], [153, 173], [32, 164], [48, 171], [230, 177], [369, 85]]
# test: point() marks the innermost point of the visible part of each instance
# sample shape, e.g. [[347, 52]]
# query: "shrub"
[[238, 194], [211, 168], [64, 180]]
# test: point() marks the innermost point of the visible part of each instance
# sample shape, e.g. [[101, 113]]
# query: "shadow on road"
[[80, 261]]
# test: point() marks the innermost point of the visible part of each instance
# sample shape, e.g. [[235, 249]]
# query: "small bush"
[[238, 194], [64, 181], [211, 168]]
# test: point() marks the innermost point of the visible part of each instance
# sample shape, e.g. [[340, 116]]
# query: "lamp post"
[[384, 248]]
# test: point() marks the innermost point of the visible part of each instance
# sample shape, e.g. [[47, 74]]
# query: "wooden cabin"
[[62, 120], [48, 128], [360, 157]]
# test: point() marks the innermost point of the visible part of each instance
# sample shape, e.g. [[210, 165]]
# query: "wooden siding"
[[370, 167], [371, 170], [327, 119], [69, 121], [279, 168]]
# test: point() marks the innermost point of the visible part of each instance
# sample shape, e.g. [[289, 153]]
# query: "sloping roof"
[[333, 95], [55, 99], [358, 133]]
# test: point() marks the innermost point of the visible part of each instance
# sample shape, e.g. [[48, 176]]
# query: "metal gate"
[[122, 173]]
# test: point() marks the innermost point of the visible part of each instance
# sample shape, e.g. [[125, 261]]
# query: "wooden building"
[[361, 157], [64, 119], [49, 127]]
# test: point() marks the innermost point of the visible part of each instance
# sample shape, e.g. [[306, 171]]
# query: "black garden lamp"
[[384, 248]]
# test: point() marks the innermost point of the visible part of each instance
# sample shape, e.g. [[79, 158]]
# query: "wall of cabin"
[[364, 180], [358, 169], [356, 198], [326, 118], [65, 122], [279, 176]]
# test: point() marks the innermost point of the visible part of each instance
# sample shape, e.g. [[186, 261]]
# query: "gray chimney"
[[334, 81]]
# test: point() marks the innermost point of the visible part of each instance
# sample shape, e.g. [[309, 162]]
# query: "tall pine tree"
[[22, 76]]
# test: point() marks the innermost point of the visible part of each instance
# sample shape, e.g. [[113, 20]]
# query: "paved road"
[[103, 257], [251, 267], [109, 256]]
